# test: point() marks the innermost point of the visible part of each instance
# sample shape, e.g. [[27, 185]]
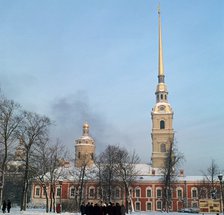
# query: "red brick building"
[[146, 192]]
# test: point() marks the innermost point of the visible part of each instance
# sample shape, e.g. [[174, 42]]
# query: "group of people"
[[6, 205], [104, 209]]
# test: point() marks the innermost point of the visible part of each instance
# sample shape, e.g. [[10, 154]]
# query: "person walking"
[[8, 205], [3, 206], [83, 209], [123, 210]]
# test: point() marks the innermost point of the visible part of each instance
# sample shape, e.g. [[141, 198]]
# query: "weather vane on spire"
[[159, 8]]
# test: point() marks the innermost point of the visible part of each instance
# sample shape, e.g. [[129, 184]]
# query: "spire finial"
[[160, 69], [85, 129]]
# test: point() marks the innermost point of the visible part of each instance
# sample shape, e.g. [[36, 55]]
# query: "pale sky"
[[96, 61]]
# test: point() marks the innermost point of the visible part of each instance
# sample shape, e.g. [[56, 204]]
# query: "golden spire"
[[160, 69]]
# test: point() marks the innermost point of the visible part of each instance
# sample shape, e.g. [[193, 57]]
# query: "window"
[[79, 155], [203, 193], [179, 194], [161, 96], [149, 192], [72, 192], [117, 193], [170, 193], [137, 206], [159, 205], [163, 147], [194, 205], [137, 192], [194, 193], [58, 192], [91, 192], [159, 193], [148, 206], [37, 191], [162, 124]]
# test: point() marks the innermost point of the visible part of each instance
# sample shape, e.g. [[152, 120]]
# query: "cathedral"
[[147, 190]]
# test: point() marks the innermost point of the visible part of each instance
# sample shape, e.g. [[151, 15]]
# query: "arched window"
[[159, 192], [91, 192], [194, 192], [148, 192], [161, 96], [162, 124], [203, 193], [37, 191], [149, 206], [158, 205], [117, 193], [137, 206], [79, 154], [194, 205], [179, 193], [163, 147], [137, 192], [72, 192], [58, 191]]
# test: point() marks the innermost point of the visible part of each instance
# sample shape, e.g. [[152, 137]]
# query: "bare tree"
[[126, 171], [33, 133], [116, 167], [49, 163], [10, 119], [210, 176], [81, 174], [42, 168], [108, 176], [169, 172], [81, 181]]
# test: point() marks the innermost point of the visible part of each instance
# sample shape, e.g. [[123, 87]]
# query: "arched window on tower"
[[162, 124], [161, 96], [163, 147]]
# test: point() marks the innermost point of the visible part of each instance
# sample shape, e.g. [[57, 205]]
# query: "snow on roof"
[[142, 169], [145, 174]]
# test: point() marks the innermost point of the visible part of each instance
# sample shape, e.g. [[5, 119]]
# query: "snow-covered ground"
[[16, 211]]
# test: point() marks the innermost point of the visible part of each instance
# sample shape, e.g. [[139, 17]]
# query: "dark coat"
[[82, 209], [3, 206], [8, 205], [123, 210]]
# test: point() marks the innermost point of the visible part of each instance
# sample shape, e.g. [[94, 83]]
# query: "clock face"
[[161, 107]]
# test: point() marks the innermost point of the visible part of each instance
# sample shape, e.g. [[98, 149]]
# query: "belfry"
[[162, 114], [84, 148]]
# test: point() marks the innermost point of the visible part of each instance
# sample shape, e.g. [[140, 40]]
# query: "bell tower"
[[162, 114], [84, 148]]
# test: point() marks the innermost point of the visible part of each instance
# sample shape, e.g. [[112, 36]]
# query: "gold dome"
[[85, 125]]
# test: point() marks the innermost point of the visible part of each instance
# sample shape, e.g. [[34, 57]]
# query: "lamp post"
[[60, 183], [220, 176]]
